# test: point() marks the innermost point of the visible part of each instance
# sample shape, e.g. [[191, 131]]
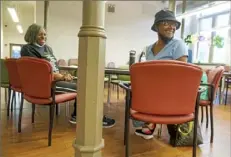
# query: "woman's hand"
[[62, 77], [58, 76], [68, 77]]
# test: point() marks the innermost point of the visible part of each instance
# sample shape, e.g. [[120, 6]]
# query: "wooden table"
[[108, 71]]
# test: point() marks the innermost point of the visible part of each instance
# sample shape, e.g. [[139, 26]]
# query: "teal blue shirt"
[[175, 49]]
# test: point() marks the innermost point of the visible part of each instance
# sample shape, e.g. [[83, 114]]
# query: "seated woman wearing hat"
[[165, 48]]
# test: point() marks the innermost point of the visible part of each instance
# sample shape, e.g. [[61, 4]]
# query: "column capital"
[[92, 31]]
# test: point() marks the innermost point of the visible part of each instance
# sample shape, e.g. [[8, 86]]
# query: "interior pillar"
[[183, 19], [172, 5], [46, 8], [92, 41]]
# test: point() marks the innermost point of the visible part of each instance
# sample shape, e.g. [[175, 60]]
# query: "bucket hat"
[[164, 15]]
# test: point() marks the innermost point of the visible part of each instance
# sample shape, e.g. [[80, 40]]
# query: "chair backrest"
[[36, 77], [62, 62], [214, 76], [12, 68], [165, 87], [4, 73], [73, 61], [227, 68], [111, 65]]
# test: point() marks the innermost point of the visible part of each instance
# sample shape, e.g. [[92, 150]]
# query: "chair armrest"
[[211, 91], [122, 85], [207, 84]]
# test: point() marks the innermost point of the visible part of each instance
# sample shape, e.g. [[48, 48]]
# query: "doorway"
[[15, 50]]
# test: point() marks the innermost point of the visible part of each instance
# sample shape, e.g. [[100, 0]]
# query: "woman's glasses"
[[169, 23]]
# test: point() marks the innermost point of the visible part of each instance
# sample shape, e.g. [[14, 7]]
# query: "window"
[[204, 47], [222, 20], [221, 27], [206, 24], [220, 55], [211, 18]]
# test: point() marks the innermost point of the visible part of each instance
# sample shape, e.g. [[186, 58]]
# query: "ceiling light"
[[13, 14], [19, 28]]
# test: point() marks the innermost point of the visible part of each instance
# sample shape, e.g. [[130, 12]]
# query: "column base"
[[88, 151]]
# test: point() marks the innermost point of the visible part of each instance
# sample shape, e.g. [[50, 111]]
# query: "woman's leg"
[[67, 87], [63, 86]]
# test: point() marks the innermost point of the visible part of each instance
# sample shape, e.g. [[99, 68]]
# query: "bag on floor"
[[185, 134]]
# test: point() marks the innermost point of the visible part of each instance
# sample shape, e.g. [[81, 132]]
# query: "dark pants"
[[63, 87]]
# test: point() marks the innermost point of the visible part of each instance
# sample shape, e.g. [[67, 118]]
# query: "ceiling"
[[23, 9]]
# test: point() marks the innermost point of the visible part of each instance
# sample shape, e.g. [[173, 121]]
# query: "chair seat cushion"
[[59, 98], [204, 102], [162, 119]]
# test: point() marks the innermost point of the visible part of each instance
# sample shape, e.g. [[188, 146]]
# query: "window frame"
[[213, 33]]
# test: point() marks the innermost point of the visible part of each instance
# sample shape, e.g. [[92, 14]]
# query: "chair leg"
[[127, 141], [20, 114], [195, 138], [13, 101], [52, 110], [5, 95], [226, 92], [159, 131], [177, 128], [8, 104], [57, 109], [212, 128], [202, 114], [207, 117], [125, 124], [33, 112], [118, 92]]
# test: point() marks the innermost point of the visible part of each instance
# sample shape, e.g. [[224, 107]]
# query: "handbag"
[[183, 134]]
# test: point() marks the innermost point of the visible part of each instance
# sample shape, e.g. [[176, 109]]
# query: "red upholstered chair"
[[214, 77], [15, 83], [163, 92], [38, 87]]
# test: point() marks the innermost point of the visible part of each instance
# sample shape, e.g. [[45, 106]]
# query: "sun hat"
[[164, 15]]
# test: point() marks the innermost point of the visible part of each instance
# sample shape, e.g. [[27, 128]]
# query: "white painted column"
[[172, 5], [92, 42]]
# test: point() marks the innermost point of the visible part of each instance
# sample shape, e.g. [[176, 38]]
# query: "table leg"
[[109, 90], [222, 87], [6, 95]]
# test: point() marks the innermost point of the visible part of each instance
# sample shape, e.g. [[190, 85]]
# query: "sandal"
[[146, 132]]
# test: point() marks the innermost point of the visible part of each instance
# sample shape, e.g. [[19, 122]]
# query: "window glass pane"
[[206, 24], [221, 6], [222, 55], [222, 20], [204, 48], [16, 51]]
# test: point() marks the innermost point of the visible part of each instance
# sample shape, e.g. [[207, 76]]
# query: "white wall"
[[128, 28], [1, 30]]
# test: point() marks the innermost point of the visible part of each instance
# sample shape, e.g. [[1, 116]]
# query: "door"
[[15, 50]]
